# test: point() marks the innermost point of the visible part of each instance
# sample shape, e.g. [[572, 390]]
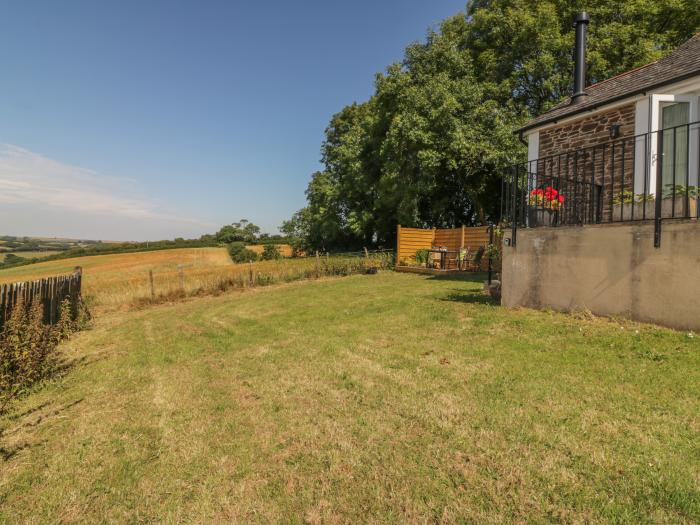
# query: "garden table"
[[443, 257]]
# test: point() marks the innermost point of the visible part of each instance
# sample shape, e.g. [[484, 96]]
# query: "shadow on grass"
[[477, 277], [66, 365], [40, 418], [6, 454], [470, 297], [9, 452]]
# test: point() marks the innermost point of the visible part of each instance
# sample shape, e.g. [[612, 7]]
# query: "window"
[[674, 119]]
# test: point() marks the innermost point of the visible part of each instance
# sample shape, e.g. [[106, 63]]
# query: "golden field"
[[285, 249], [122, 279]]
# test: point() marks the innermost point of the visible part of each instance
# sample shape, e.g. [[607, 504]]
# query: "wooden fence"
[[410, 240], [51, 291]]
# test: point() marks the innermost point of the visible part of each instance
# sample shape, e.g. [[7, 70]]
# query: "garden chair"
[[473, 261], [452, 260], [462, 257]]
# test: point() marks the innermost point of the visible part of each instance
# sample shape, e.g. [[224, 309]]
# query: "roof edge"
[[598, 105]]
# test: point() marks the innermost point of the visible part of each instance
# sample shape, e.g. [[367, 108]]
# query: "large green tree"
[[429, 146], [241, 231], [523, 49]]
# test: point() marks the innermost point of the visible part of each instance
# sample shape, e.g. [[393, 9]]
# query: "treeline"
[[428, 148], [238, 233], [109, 248]]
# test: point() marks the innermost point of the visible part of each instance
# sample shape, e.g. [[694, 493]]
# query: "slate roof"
[[682, 63]]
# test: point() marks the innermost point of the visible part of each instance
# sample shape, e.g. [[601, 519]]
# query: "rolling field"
[[123, 279], [392, 398], [120, 278]]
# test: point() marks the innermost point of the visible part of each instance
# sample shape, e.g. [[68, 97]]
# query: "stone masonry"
[[589, 167]]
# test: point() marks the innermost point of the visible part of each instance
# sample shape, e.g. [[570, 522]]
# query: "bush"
[[240, 254], [271, 252], [11, 258], [422, 257], [28, 346]]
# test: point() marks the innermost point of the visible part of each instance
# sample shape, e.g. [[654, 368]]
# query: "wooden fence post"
[[2, 305], [182, 277], [52, 317], [153, 286], [489, 256], [251, 281], [398, 244]]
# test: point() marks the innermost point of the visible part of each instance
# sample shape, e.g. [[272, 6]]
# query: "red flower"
[[561, 199]]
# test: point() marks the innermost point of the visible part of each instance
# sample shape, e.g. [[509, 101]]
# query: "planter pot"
[[647, 209], [680, 209], [494, 289], [642, 210], [538, 217]]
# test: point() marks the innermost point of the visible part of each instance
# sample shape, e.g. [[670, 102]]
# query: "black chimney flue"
[[581, 21]]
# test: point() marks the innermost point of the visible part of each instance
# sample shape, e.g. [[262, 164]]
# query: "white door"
[[674, 119]]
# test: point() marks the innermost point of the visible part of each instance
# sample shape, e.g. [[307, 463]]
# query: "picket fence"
[[51, 291]]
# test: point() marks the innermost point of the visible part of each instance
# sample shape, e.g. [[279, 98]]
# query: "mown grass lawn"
[[383, 399]]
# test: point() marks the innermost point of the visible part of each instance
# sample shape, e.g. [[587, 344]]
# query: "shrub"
[[271, 252], [11, 258], [28, 346], [240, 254], [422, 257]]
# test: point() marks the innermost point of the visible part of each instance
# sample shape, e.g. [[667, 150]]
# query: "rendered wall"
[[608, 269]]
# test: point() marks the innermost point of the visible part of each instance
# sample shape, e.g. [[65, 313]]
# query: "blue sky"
[[156, 119]]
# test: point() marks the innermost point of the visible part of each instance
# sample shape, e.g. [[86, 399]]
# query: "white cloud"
[[43, 187]]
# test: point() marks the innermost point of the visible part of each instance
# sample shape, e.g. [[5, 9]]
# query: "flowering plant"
[[548, 198]]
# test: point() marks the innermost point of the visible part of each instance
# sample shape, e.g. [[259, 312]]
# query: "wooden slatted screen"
[[450, 238], [410, 240], [51, 291]]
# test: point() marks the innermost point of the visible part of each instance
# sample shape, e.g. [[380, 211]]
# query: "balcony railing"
[[653, 176]]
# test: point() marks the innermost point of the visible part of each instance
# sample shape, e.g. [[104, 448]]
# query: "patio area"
[[440, 250]]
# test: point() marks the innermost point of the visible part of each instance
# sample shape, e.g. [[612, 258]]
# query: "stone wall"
[[589, 131], [582, 151], [610, 269]]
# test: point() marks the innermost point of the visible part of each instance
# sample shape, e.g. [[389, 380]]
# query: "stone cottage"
[[604, 213]]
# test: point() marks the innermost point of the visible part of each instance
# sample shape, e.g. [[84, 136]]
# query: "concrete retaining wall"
[[609, 270]]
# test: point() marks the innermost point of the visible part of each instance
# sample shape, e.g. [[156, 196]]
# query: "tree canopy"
[[428, 147], [243, 231]]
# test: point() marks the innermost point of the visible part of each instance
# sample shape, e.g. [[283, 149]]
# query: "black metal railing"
[[653, 176]]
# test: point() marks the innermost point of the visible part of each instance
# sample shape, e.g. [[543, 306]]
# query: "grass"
[[386, 399]]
